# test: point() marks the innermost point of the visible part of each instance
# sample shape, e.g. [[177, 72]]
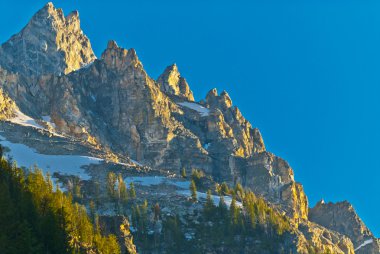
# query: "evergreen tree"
[[111, 184], [234, 213], [193, 190], [183, 173], [122, 190], [36, 219], [132, 191], [209, 206], [222, 208]]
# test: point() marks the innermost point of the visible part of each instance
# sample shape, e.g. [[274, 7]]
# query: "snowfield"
[[194, 106], [63, 164], [364, 244], [25, 120], [47, 119]]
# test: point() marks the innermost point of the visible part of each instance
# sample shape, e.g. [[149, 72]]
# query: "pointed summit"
[[173, 83], [119, 58], [49, 44]]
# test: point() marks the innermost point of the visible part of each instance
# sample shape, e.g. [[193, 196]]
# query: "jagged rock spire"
[[49, 44], [342, 217], [119, 58], [173, 83]]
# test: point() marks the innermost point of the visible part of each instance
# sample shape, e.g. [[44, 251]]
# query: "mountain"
[[59, 100]]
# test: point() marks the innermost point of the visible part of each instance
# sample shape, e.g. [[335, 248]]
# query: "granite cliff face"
[[172, 83], [49, 44], [341, 217], [49, 69], [7, 107]]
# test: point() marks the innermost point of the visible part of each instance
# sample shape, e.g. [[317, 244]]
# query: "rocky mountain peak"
[[49, 44], [172, 83], [119, 58], [342, 217], [222, 101]]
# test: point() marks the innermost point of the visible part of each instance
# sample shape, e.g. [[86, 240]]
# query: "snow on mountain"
[[194, 106], [366, 242], [25, 120], [63, 164], [184, 187]]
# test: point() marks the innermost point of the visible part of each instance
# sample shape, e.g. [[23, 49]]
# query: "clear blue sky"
[[305, 72]]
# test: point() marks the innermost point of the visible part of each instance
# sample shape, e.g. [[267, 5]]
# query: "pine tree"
[[222, 208], [234, 212], [193, 190], [209, 206], [157, 211], [111, 184], [122, 190], [183, 173], [132, 191]]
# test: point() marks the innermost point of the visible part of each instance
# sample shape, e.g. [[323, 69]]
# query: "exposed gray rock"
[[113, 105], [49, 44], [342, 217], [172, 83]]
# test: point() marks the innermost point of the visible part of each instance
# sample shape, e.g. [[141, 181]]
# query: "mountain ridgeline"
[[113, 105]]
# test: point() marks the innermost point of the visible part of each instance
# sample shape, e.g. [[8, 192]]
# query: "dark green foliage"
[[223, 189], [196, 176], [250, 226], [132, 191], [209, 207], [111, 184], [183, 173], [193, 190], [36, 219], [140, 218]]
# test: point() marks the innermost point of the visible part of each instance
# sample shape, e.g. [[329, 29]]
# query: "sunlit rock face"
[[7, 106], [49, 69], [342, 217], [172, 83], [49, 44]]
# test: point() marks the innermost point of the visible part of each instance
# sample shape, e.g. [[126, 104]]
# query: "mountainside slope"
[[110, 107]]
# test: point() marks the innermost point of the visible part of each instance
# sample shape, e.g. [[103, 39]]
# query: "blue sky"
[[305, 72]]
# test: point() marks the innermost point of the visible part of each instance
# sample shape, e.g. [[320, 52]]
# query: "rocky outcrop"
[[127, 237], [49, 44], [115, 101], [7, 107], [172, 83], [342, 217], [227, 121], [322, 240], [49, 69], [273, 178]]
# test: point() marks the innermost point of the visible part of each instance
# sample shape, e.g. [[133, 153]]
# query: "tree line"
[[36, 217]]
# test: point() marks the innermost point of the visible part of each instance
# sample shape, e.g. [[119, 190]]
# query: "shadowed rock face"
[[342, 217], [49, 44], [50, 69]]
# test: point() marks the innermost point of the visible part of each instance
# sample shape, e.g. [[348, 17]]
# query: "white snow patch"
[[194, 106], [215, 198], [183, 185], [48, 120], [25, 120], [63, 164], [137, 163], [366, 242], [145, 180]]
